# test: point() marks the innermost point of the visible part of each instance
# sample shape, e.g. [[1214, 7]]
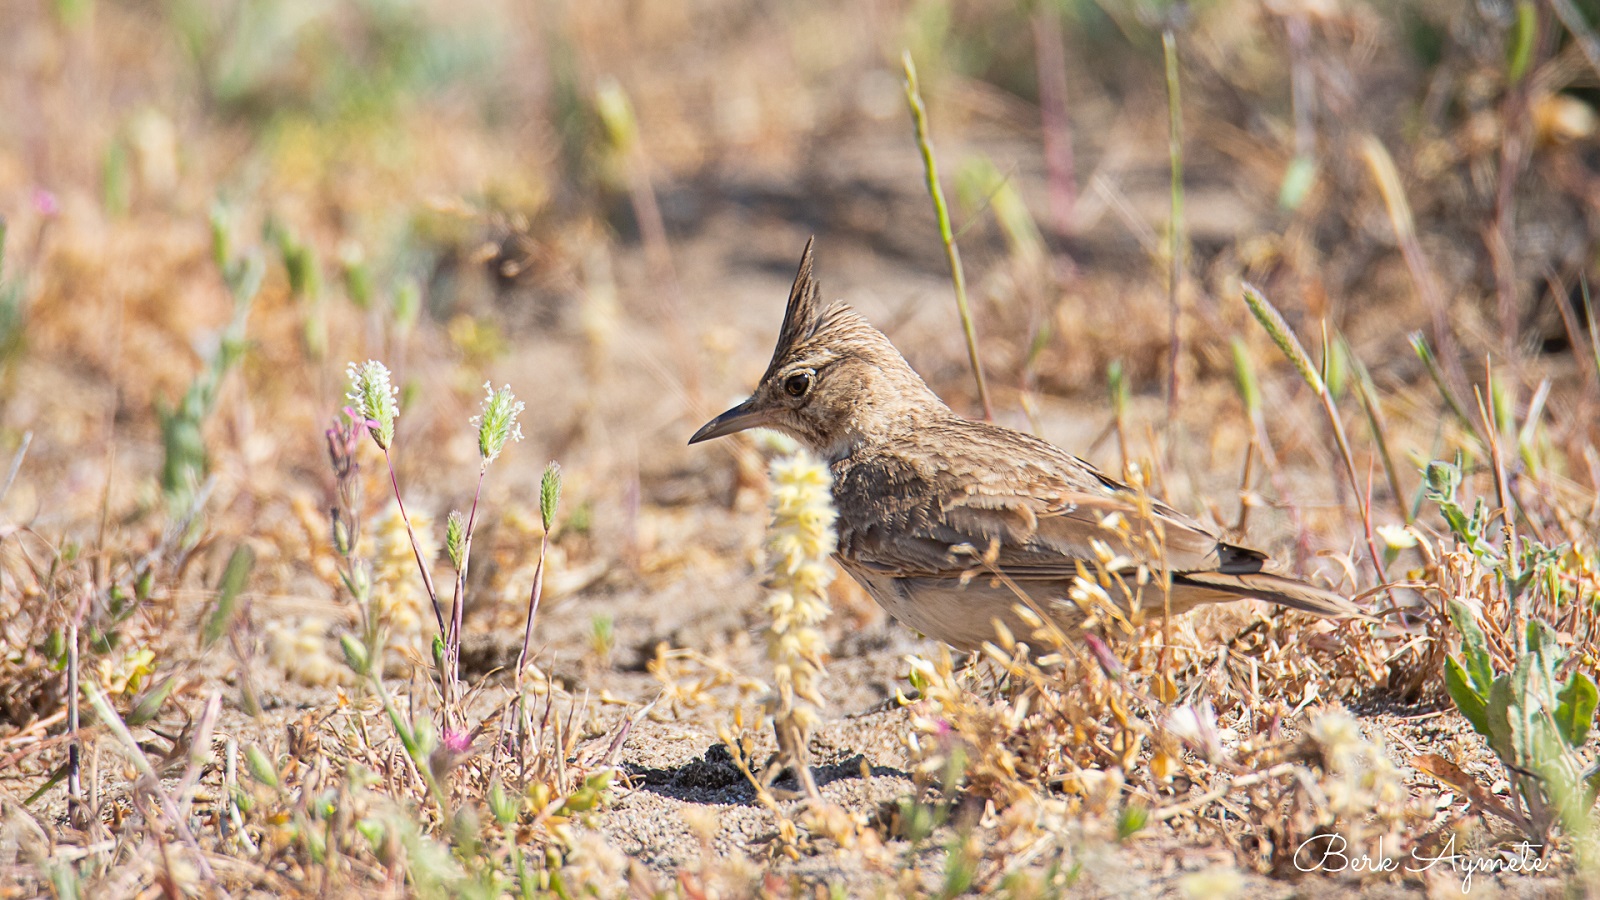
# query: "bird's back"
[[931, 516], [949, 481]]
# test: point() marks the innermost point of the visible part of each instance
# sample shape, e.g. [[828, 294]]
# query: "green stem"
[[919, 117], [1368, 397], [408, 739], [1169, 47]]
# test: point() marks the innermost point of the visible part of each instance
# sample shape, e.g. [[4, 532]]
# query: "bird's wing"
[[1042, 533], [1033, 521]]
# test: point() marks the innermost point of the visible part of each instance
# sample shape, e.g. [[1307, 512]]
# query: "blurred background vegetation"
[[475, 164]]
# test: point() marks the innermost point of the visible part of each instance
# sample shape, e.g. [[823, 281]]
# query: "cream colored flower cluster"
[[301, 648], [1361, 780], [399, 598], [799, 541]]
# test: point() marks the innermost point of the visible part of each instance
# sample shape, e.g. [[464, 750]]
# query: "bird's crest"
[[803, 315]]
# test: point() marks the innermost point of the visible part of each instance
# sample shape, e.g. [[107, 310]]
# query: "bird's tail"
[[1273, 589]]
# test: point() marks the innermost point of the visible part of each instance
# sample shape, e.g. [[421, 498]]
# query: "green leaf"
[[221, 236], [260, 767], [1335, 364], [501, 804], [1499, 719], [1441, 479], [149, 704], [1298, 180], [1539, 637], [1474, 647], [1503, 404], [1527, 696], [1460, 526], [1244, 378], [1545, 656], [234, 578], [1575, 712], [1471, 703], [55, 649], [355, 654], [1517, 585]]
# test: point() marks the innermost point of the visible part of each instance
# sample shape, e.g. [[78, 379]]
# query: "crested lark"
[[931, 505]]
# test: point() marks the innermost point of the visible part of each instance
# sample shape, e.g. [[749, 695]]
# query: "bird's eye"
[[797, 384]]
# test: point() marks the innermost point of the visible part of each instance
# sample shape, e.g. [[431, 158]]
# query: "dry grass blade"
[[16, 464], [1271, 320], [1235, 784], [1447, 772], [152, 783], [1371, 407], [1404, 223]]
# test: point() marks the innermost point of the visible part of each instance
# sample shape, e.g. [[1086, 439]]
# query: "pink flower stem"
[[533, 608], [416, 551], [452, 642]]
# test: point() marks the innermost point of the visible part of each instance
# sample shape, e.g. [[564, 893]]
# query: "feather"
[[802, 316]]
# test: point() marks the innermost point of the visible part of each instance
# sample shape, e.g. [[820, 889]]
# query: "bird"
[[951, 523]]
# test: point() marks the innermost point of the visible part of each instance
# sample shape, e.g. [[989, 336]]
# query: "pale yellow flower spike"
[[799, 542]]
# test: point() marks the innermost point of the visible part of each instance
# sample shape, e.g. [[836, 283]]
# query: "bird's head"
[[834, 380]]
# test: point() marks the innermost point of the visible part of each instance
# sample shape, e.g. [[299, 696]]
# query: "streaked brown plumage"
[[919, 488]]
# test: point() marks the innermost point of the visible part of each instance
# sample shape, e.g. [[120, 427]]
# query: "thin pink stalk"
[[1051, 63], [416, 551], [533, 608], [453, 641]]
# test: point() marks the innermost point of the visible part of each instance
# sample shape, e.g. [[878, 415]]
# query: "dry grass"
[[210, 209]]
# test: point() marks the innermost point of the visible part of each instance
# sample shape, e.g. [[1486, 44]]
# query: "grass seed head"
[[549, 495], [374, 399], [497, 422], [1283, 336], [455, 537]]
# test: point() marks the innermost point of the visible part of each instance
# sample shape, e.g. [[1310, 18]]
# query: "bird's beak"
[[745, 415]]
